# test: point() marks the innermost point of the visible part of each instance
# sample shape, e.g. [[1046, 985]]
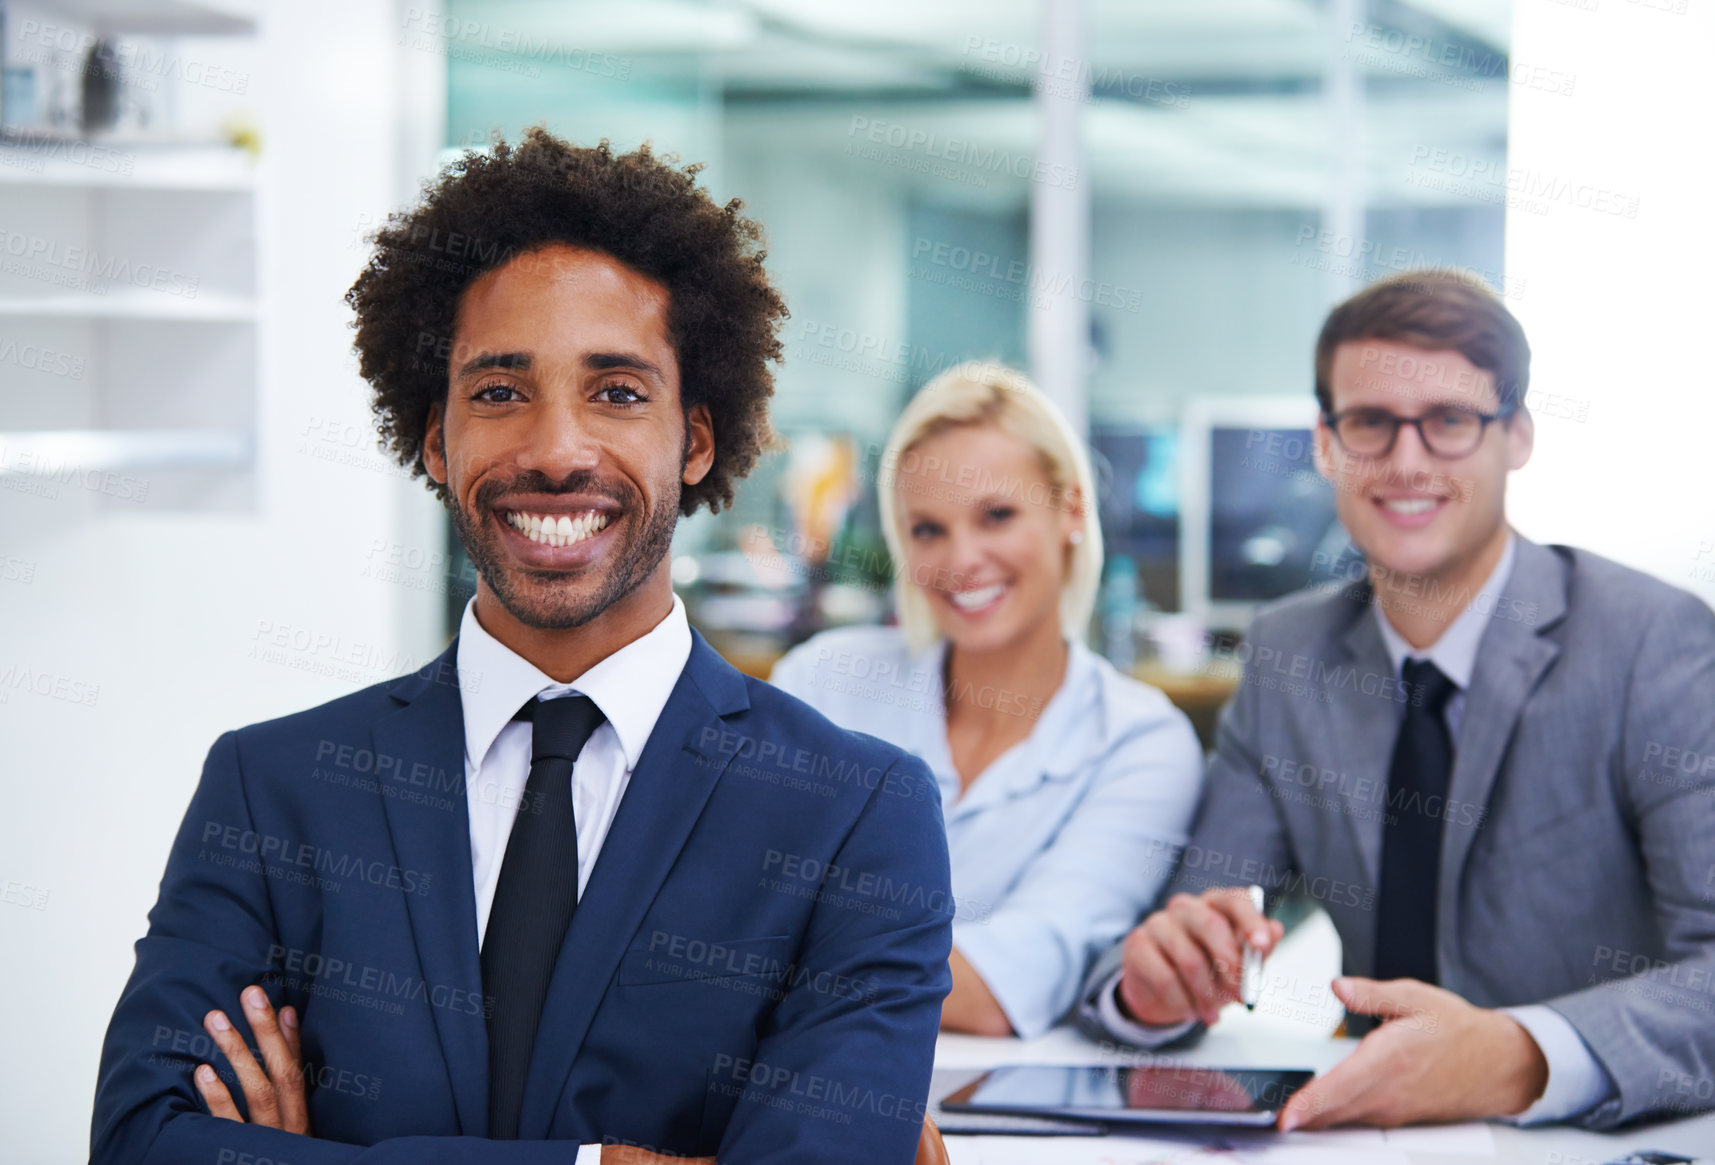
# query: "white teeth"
[[971, 600], [557, 529], [1409, 506]]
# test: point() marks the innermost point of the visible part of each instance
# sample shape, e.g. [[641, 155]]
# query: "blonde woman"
[[1067, 787]]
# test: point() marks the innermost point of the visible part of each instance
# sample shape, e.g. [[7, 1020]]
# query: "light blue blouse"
[[1064, 841]]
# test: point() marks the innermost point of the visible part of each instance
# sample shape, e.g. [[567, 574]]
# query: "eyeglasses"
[[1446, 431]]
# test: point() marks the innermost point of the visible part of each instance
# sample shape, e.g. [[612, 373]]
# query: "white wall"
[[1619, 304], [163, 609]]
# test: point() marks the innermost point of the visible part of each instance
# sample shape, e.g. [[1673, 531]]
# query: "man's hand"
[[631, 1155], [274, 1098], [1186, 959], [1436, 1058]]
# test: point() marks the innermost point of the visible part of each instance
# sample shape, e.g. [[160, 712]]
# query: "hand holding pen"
[[1250, 972], [1186, 961]]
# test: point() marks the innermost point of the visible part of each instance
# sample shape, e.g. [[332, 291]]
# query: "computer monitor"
[[1256, 519], [1137, 483]]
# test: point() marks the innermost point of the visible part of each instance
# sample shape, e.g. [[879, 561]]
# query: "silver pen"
[[1250, 972]]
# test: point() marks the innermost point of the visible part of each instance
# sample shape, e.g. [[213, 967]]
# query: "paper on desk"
[[1144, 1151], [1474, 1139], [1467, 1140]]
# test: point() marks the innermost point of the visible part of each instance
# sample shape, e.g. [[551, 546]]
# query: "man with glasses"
[[1493, 769]]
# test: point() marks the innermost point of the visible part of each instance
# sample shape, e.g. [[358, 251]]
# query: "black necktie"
[[1411, 833], [533, 901]]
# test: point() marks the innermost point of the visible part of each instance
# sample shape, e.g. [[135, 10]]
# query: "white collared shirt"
[[1455, 653], [630, 687]]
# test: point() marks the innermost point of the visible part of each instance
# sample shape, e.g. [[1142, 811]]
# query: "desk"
[[1199, 694], [959, 1059], [1292, 1028], [1235, 1044]]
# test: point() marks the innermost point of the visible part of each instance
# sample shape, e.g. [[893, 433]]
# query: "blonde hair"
[[985, 393]]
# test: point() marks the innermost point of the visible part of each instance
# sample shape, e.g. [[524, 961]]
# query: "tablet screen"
[[1153, 1093]]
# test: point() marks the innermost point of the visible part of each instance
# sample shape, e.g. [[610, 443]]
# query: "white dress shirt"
[[1577, 1082], [631, 686]]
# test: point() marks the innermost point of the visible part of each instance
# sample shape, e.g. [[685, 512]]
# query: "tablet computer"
[[1151, 1094]]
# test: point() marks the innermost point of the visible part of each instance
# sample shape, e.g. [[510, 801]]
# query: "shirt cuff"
[[1028, 980], [1577, 1082], [1142, 1034], [588, 1155]]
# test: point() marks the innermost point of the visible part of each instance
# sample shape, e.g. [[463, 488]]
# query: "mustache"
[[534, 481]]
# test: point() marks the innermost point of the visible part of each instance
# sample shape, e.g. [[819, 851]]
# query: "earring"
[[1077, 537]]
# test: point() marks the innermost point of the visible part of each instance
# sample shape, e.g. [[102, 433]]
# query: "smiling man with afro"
[[487, 209], [615, 939]]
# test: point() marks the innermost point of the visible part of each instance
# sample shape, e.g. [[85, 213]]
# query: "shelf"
[[132, 304], [165, 17], [49, 452], [118, 165]]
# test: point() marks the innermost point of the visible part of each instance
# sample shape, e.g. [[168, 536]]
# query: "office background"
[[197, 531]]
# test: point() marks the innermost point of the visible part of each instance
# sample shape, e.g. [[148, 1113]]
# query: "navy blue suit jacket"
[[755, 969]]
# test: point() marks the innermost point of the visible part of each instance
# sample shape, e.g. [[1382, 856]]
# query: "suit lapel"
[[1366, 725], [675, 776], [1511, 660], [429, 729]]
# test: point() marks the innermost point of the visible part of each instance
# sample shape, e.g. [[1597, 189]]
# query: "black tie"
[[533, 901], [1411, 836]]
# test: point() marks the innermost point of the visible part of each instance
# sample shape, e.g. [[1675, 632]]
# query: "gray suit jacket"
[[1578, 860]]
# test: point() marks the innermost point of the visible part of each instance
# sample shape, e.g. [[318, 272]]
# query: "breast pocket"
[[677, 958]]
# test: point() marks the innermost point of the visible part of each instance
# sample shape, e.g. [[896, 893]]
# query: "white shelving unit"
[[147, 166], [129, 299], [131, 305]]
